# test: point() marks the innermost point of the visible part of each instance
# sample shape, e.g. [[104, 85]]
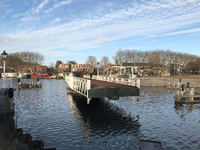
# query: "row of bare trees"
[[155, 58], [104, 62], [24, 58]]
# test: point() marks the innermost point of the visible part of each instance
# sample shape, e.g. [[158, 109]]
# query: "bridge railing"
[[79, 85], [130, 82]]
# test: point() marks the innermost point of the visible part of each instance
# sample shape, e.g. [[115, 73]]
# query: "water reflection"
[[103, 119]]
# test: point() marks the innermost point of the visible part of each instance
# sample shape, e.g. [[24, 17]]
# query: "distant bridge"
[[99, 86]]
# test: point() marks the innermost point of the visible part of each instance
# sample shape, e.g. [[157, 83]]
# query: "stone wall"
[[6, 104], [165, 81]]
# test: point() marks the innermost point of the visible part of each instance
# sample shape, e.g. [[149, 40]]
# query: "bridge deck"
[[111, 90], [96, 84]]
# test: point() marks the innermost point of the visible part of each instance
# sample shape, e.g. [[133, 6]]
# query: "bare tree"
[[104, 62], [24, 58], [119, 57], [91, 60]]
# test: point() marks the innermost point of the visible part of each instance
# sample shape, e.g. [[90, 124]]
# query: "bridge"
[[100, 86]]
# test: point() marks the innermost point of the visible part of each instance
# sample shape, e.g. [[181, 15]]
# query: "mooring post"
[[168, 85], [173, 85], [178, 85], [178, 97], [191, 95]]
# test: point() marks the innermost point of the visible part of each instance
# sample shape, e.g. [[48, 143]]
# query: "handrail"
[[130, 82], [80, 85]]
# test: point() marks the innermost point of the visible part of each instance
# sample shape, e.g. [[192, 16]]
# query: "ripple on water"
[[64, 120]]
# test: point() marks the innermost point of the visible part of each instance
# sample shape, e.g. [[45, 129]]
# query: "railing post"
[[138, 83], [88, 84]]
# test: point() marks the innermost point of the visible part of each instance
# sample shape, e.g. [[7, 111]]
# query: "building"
[[31, 68], [82, 67], [75, 67], [63, 67]]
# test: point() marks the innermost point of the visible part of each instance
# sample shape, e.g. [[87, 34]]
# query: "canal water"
[[63, 120]]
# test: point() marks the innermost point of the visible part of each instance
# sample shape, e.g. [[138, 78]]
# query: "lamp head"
[[4, 54]]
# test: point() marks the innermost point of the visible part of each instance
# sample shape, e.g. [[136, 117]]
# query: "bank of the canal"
[[164, 81]]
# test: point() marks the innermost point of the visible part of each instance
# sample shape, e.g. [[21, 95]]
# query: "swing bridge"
[[101, 86]]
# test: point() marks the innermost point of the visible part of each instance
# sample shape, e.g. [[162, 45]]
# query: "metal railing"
[[130, 81], [79, 85]]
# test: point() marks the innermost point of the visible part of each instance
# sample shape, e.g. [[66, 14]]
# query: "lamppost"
[[4, 55], [71, 68], [98, 69]]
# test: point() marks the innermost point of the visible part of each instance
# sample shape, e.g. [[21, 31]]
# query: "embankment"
[[164, 81]]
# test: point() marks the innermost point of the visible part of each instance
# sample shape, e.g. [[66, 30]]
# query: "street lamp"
[[4, 55], [98, 69], [71, 68]]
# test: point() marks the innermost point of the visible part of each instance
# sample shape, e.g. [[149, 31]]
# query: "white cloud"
[[57, 19], [41, 5], [101, 40], [183, 32], [28, 19], [9, 10], [57, 5], [62, 3]]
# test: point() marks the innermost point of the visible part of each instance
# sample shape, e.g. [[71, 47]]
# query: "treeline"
[[157, 58], [24, 58]]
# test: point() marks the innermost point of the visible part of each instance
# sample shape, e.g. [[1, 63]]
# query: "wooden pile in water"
[[30, 85]]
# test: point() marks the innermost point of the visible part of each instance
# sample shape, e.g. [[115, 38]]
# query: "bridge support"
[[88, 100]]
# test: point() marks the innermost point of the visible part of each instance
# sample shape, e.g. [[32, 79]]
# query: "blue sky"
[[74, 29]]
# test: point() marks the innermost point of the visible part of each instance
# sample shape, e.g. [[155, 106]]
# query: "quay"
[[100, 87], [173, 80]]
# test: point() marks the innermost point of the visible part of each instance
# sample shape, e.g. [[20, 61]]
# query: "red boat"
[[40, 75]]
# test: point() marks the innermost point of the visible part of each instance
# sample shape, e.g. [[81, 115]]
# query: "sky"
[[75, 29]]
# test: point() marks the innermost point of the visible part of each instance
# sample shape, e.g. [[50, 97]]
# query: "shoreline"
[[165, 80]]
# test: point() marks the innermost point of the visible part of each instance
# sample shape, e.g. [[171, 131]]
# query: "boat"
[[52, 77], [10, 75], [40, 75], [24, 75]]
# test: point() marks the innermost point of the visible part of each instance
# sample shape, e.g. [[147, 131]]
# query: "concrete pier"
[[6, 104], [187, 96]]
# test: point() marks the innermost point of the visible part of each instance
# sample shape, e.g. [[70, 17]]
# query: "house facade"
[[82, 67], [63, 67], [75, 67], [32, 68]]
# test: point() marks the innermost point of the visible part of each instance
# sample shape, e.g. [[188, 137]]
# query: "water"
[[64, 121]]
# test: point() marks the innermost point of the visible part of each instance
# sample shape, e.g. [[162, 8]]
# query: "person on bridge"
[[91, 75]]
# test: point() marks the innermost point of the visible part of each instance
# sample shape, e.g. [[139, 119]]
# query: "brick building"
[[82, 67], [75, 68], [32, 68], [63, 67]]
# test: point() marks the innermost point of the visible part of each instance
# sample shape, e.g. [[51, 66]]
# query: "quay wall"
[[160, 81]]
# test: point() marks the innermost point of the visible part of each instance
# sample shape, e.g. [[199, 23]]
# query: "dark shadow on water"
[[101, 119]]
